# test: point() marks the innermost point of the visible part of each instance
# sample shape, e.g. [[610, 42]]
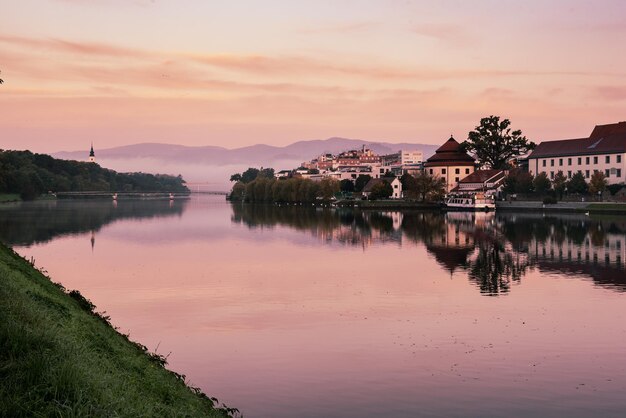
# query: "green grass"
[[620, 207], [58, 358], [7, 197]]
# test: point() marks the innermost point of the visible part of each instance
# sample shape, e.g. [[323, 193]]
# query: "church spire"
[[92, 155]]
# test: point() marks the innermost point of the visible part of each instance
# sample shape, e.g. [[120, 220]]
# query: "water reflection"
[[28, 223], [495, 250]]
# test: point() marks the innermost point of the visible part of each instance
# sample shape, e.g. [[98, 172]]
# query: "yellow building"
[[450, 163]]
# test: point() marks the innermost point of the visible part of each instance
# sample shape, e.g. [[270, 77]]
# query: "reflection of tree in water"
[[36, 222], [426, 227], [342, 225], [494, 250], [494, 268]]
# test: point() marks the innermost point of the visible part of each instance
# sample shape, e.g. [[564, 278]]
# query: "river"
[[299, 311]]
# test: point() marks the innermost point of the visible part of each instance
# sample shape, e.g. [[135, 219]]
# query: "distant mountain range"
[[260, 154], [214, 165]]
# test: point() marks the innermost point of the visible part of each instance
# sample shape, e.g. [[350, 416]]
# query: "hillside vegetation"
[[58, 358], [30, 175]]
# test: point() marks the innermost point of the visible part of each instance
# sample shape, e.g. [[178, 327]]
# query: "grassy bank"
[[60, 358], [617, 208], [9, 197]]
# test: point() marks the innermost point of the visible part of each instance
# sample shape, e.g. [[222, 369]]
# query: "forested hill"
[[30, 175]]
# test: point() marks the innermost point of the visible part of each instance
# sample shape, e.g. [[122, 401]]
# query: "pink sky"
[[239, 73]]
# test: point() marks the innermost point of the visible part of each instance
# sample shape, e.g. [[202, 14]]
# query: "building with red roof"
[[450, 163], [604, 150]]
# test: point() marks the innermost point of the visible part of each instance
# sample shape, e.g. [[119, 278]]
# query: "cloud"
[[451, 34], [611, 93], [82, 48], [340, 28]]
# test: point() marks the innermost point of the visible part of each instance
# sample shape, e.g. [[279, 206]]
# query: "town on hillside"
[[470, 174]]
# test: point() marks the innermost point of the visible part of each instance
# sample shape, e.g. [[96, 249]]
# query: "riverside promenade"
[[577, 207]]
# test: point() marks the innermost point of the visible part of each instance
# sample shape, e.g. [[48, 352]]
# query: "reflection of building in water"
[[365, 229], [455, 242], [595, 253], [472, 241]]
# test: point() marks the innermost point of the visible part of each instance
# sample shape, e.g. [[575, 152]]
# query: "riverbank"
[[391, 204], [564, 207], [58, 357]]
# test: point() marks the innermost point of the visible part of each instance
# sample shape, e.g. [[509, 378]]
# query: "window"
[[457, 171], [467, 171], [551, 174], [443, 171], [456, 179], [619, 158], [544, 163], [618, 172], [552, 162], [607, 159], [560, 162], [586, 160], [431, 171], [595, 160], [569, 174], [587, 173], [580, 160], [607, 173], [569, 161]]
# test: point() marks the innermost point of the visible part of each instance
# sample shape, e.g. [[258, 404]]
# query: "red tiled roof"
[[448, 154], [482, 176], [601, 131], [605, 139]]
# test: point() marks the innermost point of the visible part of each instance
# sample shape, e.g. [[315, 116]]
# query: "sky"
[[237, 73]]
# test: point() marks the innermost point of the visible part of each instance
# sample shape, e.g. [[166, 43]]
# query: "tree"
[[346, 185], [409, 186], [328, 188], [577, 184], [559, 183], [428, 188], [493, 143], [268, 173], [518, 181], [541, 183], [249, 175], [238, 191], [597, 183], [235, 177], [361, 181], [381, 190]]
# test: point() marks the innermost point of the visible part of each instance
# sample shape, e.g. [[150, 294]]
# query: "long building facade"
[[604, 150]]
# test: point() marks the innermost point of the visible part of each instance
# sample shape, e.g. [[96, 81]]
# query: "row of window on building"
[[607, 160], [617, 172], [456, 171]]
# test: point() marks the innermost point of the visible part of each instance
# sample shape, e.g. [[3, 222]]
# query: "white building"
[[410, 157], [396, 185], [604, 150]]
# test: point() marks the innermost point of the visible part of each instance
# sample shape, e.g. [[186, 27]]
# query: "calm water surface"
[[304, 312]]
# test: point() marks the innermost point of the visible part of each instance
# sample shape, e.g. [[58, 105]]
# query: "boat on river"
[[473, 201]]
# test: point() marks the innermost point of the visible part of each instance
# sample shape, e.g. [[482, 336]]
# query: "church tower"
[[92, 155]]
